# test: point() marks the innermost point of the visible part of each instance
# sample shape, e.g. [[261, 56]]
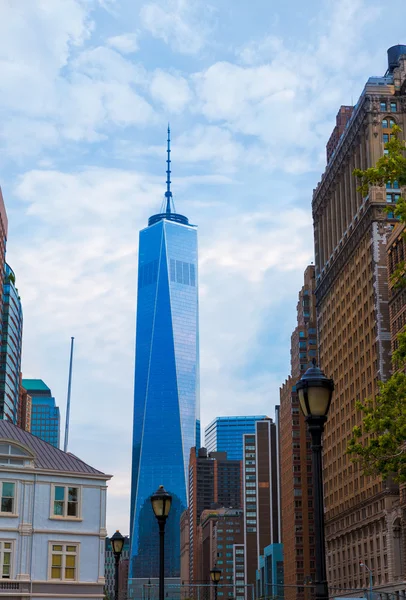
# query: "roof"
[[35, 385], [46, 456]]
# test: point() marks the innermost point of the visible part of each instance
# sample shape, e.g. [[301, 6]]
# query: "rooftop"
[[35, 385]]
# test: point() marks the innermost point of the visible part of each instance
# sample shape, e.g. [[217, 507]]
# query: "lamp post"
[[117, 544], [215, 575], [161, 505], [315, 392], [371, 582]]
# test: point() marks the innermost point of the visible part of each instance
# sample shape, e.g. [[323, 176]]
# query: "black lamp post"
[[161, 505], [117, 544], [215, 575], [315, 392]]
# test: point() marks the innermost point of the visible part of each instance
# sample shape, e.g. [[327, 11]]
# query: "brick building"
[[351, 234], [296, 476], [261, 494]]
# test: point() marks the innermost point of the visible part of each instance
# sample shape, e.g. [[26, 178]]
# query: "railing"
[[9, 585]]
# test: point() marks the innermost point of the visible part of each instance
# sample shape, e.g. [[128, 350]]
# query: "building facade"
[[45, 417], [166, 391], [213, 481], [225, 434], [220, 531], [53, 520], [270, 578], [11, 348], [24, 408], [296, 461], [351, 234], [109, 570], [261, 498]]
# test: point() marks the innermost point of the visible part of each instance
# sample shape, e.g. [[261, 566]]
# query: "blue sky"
[[251, 90]]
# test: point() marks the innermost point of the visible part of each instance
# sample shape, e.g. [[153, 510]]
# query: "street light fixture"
[[117, 544], [161, 505], [371, 583], [315, 391], [215, 574]]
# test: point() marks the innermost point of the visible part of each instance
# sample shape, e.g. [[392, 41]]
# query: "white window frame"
[[65, 516], [14, 511], [63, 554], [12, 552]]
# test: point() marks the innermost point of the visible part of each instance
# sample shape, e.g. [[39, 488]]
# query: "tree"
[[383, 449]]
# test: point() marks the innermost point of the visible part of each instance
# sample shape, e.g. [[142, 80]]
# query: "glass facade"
[[11, 343], [45, 417], [225, 434], [166, 389]]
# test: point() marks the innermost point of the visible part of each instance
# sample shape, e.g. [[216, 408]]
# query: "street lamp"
[[117, 544], [315, 392], [161, 505], [371, 583], [215, 575]]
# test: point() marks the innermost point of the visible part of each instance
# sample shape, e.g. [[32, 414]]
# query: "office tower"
[[3, 238], [184, 547], [24, 408], [224, 434], [213, 480], [166, 389], [220, 531], [351, 233], [270, 577], [295, 469], [261, 502], [45, 418], [109, 569], [11, 347], [397, 295]]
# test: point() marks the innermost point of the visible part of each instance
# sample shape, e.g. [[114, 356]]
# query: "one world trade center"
[[166, 389]]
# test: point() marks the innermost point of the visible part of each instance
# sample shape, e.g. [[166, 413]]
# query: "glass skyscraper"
[[45, 417], [11, 345], [166, 389], [225, 434]]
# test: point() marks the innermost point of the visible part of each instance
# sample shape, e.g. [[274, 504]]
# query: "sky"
[[251, 90]]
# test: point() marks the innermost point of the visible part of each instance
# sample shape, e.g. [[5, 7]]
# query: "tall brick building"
[[296, 476], [213, 480], [351, 234]]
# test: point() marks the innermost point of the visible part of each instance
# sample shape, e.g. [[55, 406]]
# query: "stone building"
[[351, 234]]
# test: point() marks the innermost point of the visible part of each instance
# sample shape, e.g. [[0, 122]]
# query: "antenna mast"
[[168, 193], [65, 446]]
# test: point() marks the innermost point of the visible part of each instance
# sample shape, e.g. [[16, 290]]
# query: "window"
[[7, 497], [65, 502], [6, 552], [385, 123], [64, 562], [383, 106], [393, 107], [385, 138]]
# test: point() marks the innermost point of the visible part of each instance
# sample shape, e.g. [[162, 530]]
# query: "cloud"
[[179, 23], [126, 43], [171, 91]]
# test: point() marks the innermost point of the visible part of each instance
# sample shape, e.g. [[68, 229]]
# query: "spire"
[[168, 193]]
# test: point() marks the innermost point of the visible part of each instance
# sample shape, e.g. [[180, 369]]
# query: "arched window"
[[13, 454], [392, 122], [384, 123]]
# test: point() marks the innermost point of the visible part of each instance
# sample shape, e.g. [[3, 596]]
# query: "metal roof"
[[46, 456]]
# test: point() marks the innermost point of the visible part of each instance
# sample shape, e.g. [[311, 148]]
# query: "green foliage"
[[379, 445]]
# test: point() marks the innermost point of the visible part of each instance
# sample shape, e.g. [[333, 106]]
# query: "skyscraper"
[[261, 494], [351, 232], [45, 418], [225, 434], [11, 346], [296, 476], [166, 389]]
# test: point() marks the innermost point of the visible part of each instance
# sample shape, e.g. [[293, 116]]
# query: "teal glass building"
[[225, 434], [45, 417], [11, 346], [166, 389]]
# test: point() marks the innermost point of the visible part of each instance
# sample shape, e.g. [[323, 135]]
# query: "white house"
[[52, 521]]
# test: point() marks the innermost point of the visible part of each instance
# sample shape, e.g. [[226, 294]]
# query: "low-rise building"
[[52, 520]]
